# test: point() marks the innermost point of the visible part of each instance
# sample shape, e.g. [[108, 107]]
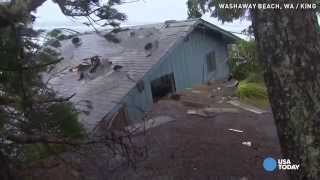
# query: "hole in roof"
[[148, 46], [95, 63], [92, 67], [76, 41], [117, 67]]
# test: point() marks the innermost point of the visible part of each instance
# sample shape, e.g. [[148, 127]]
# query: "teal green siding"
[[188, 63]]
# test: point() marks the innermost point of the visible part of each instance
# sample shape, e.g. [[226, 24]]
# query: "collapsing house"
[[117, 77]]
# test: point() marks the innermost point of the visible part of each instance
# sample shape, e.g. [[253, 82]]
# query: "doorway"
[[163, 86]]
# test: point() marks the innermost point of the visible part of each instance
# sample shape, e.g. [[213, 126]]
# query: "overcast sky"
[[143, 12]]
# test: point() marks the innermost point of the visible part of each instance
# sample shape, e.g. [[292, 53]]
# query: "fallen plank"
[[246, 107], [197, 112], [236, 130], [151, 123], [221, 110]]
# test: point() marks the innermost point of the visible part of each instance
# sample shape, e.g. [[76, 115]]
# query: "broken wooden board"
[[151, 123], [221, 110], [246, 107]]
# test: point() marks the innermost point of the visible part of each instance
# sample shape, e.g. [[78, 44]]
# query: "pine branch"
[[44, 139], [39, 66], [34, 4]]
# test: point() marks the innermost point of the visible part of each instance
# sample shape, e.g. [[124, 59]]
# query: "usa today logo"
[[270, 165]]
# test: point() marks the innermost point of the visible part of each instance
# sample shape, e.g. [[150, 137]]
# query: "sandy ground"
[[203, 147], [193, 147], [197, 147]]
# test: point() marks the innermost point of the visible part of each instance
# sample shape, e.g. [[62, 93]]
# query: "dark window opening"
[[211, 62], [163, 86]]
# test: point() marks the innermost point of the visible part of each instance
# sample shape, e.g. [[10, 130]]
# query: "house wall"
[[188, 63]]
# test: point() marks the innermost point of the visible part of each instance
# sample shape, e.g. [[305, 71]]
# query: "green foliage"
[[246, 68], [249, 89], [55, 37], [193, 9], [95, 10], [59, 120], [60, 34], [253, 93], [255, 77], [244, 60], [31, 114], [197, 7], [35, 152], [107, 12], [65, 119]]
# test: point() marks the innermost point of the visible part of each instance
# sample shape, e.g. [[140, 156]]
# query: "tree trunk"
[[5, 171], [289, 45]]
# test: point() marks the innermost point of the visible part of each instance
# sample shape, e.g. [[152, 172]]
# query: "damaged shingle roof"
[[121, 65]]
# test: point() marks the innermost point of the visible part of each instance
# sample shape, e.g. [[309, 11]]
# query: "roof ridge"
[[146, 25]]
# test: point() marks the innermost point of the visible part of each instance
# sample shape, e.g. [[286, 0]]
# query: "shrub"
[[244, 60], [247, 89], [253, 93], [254, 78]]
